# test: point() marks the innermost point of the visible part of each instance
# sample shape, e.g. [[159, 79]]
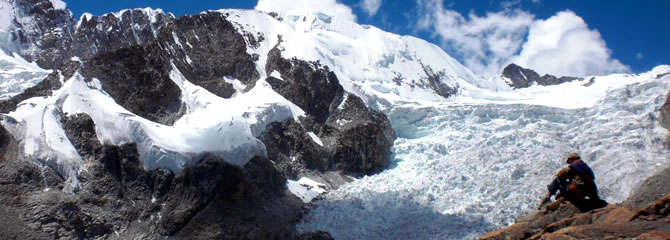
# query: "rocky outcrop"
[[611, 222], [99, 34], [645, 215], [117, 198], [436, 82], [362, 138], [207, 48], [309, 85], [39, 31], [292, 150], [519, 77], [665, 113], [650, 190], [353, 138], [138, 79]]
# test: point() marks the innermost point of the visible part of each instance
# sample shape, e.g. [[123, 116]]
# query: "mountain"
[[518, 77], [241, 124]]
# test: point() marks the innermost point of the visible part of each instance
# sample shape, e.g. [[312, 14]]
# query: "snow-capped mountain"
[[180, 124]]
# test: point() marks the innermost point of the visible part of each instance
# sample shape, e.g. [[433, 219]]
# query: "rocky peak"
[[207, 49], [37, 29], [519, 77], [97, 34]]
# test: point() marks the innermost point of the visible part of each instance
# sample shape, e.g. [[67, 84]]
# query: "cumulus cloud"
[[371, 6], [561, 45], [307, 7], [484, 44]]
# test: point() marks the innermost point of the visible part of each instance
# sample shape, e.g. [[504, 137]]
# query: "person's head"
[[572, 157]]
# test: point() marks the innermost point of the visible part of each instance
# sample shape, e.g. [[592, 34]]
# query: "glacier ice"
[[17, 74], [464, 169]]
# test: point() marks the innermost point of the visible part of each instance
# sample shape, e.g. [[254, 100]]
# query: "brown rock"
[[654, 236], [611, 222]]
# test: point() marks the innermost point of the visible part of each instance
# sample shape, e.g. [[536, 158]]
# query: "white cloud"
[[563, 45], [484, 44], [307, 7], [639, 56], [371, 6]]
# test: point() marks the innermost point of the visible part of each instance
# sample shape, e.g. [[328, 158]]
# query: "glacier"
[[464, 169]]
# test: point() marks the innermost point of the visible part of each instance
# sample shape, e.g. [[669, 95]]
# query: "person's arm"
[[553, 187]]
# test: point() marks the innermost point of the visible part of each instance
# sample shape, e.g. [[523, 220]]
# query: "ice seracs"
[[17, 74]]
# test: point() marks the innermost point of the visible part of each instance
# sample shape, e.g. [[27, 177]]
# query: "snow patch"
[[315, 138], [276, 74], [58, 4], [306, 189]]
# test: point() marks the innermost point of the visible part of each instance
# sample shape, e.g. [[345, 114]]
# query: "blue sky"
[[634, 33]]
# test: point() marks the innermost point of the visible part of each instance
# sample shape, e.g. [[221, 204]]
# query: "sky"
[[563, 38]]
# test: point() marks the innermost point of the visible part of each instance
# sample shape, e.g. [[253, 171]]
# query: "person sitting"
[[576, 184]]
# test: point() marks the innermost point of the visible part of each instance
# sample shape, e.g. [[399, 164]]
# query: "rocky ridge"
[[519, 77]]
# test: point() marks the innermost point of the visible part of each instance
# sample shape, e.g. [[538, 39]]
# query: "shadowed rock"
[[362, 138], [138, 79]]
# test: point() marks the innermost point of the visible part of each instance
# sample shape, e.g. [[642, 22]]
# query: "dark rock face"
[[138, 79], [312, 87], [41, 35], [292, 150], [665, 113], [522, 77], [357, 140], [107, 33], [205, 47], [435, 82], [208, 48], [5, 139], [80, 129], [363, 138]]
